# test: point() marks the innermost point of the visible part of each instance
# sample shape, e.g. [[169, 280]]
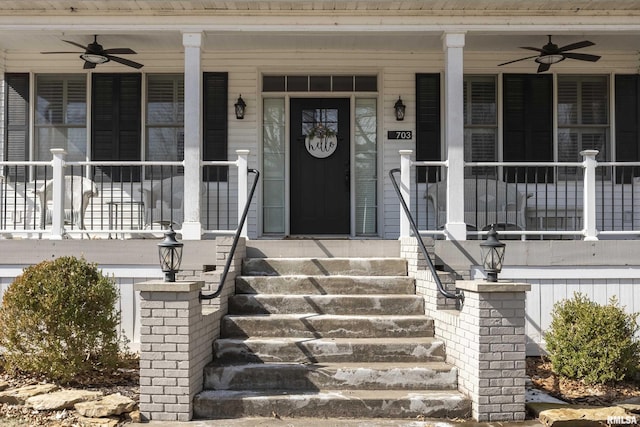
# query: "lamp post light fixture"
[[240, 106], [492, 254], [399, 108], [170, 251]]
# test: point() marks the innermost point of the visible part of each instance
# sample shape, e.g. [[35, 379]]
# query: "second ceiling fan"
[[551, 54], [95, 54]]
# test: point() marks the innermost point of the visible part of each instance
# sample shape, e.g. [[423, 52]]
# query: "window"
[[165, 118], [365, 83], [583, 117], [61, 116], [480, 122]]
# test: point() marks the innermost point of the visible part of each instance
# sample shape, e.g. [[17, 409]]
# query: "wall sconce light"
[[492, 255], [240, 107], [170, 251], [399, 108]]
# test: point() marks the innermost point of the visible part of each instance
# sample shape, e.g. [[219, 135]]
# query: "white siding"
[[396, 69]]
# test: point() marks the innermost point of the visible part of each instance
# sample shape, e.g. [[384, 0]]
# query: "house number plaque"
[[400, 134]]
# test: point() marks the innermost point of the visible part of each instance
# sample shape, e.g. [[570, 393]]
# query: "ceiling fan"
[[95, 54], [551, 54]]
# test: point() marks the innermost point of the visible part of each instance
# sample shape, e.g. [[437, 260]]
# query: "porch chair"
[[486, 202], [77, 193], [163, 202]]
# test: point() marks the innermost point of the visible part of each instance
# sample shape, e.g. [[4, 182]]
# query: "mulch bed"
[[576, 392]]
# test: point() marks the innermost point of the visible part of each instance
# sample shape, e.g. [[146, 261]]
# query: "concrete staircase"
[[328, 337]]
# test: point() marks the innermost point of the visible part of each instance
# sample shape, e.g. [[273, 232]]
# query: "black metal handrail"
[[236, 237], [459, 296]]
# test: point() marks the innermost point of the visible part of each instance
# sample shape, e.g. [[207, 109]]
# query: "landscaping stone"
[[631, 405], [18, 396], [557, 415], [97, 422], [63, 399], [4, 385], [113, 404]]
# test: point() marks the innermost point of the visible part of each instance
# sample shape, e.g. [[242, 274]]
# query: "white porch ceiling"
[[392, 25]]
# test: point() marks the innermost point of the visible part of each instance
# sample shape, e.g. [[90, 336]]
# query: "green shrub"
[[58, 320], [592, 342]]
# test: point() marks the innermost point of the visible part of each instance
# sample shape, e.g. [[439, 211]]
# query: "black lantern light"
[[492, 254], [240, 107], [399, 108], [170, 251]]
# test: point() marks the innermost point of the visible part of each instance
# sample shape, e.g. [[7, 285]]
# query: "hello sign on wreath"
[[321, 141]]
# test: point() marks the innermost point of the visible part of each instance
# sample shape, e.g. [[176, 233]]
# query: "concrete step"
[[332, 404], [323, 285], [326, 326], [303, 350], [324, 266], [327, 304], [342, 376]]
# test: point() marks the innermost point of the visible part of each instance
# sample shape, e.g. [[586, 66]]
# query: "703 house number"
[[399, 134]]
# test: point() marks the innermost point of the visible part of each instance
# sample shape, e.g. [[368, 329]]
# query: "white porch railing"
[[551, 200], [118, 199]]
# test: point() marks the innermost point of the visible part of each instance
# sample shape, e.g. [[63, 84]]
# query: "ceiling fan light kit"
[[551, 54], [94, 54]]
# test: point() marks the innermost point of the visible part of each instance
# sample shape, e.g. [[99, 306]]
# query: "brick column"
[[174, 348], [485, 338], [490, 342]]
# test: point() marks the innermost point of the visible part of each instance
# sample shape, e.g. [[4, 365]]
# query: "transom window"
[[326, 83]]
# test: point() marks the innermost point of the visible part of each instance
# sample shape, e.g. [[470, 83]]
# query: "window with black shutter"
[[428, 126], [116, 123], [16, 132], [215, 125], [528, 125], [627, 124]]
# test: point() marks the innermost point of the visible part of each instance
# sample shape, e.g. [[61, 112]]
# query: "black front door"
[[320, 166]]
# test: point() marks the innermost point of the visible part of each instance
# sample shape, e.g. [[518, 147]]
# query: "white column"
[[589, 194], [453, 44], [405, 190], [57, 195], [243, 191], [192, 227]]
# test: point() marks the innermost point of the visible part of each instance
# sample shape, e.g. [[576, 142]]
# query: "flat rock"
[[113, 404], [631, 405], [576, 416], [18, 396], [4, 385], [62, 399], [97, 422]]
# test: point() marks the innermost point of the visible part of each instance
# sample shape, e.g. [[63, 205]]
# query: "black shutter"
[[16, 134], [528, 125], [215, 98], [116, 122], [428, 126], [627, 125]]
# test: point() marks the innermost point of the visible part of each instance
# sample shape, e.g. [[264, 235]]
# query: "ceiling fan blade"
[[88, 65], [517, 60], [48, 53], [578, 45], [119, 51], [125, 61], [543, 67], [75, 44], [537, 49], [581, 56]]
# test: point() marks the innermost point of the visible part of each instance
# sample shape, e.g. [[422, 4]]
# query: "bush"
[[58, 320], [591, 342]]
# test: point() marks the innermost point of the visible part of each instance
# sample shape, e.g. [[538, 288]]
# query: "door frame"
[[380, 117]]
